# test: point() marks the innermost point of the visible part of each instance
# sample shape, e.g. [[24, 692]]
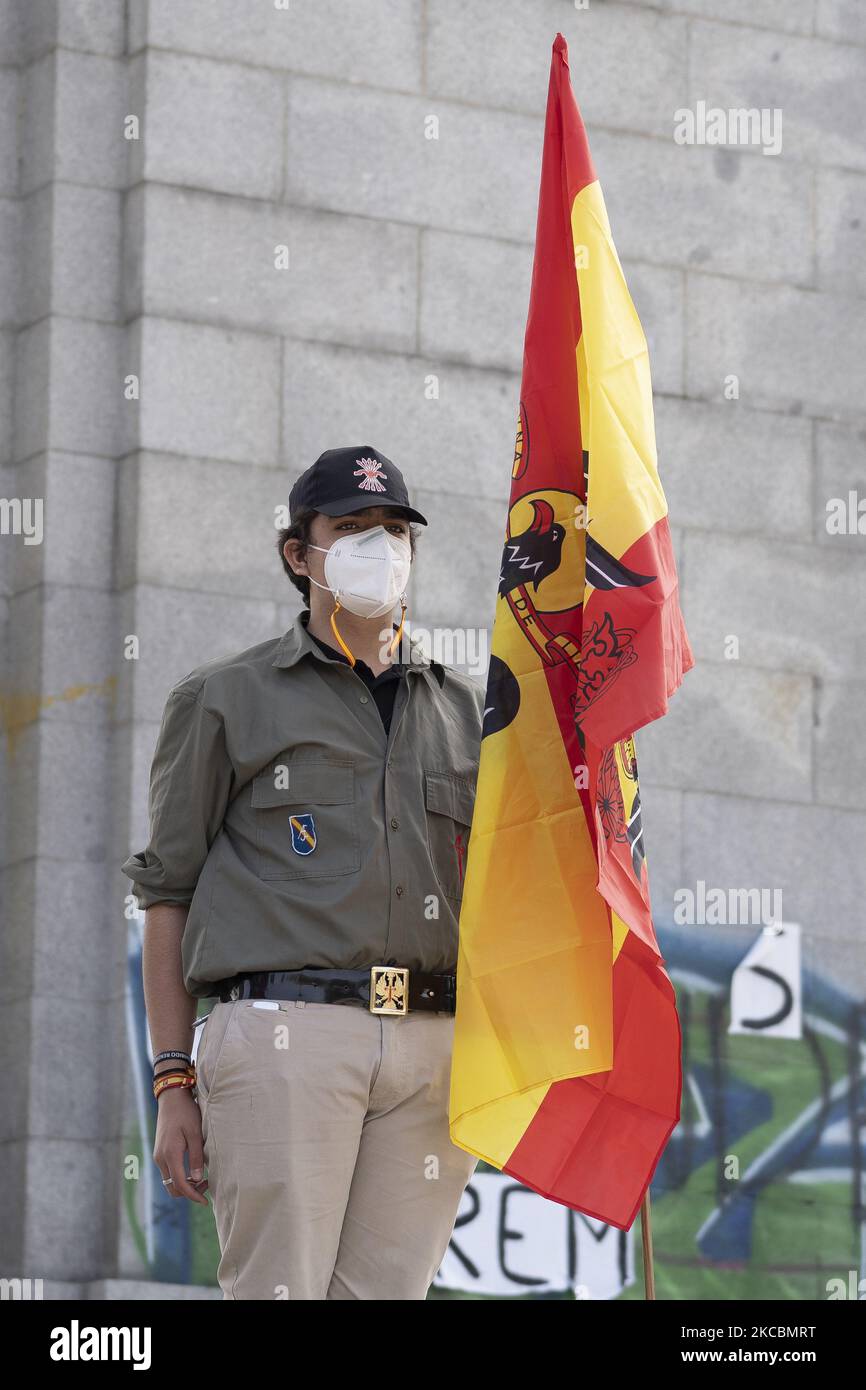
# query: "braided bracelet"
[[179, 1073], [174, 1082]]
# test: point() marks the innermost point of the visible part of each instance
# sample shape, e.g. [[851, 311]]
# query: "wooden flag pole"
[[649, 1276]]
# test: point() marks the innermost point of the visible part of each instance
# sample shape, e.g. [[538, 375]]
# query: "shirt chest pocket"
[[450, 802], [306, 820]]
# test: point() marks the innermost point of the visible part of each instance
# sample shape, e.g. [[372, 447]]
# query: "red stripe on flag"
[[595, 1141]]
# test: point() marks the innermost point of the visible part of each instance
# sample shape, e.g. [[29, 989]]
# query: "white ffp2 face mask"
[[367, 571]]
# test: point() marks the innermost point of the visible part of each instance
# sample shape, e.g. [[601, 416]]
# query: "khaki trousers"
[[328, 1156]]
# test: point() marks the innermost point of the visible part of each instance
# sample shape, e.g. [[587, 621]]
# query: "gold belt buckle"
[[389, 989]]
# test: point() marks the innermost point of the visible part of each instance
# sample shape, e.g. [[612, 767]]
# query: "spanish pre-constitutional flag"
[[566, 1065]]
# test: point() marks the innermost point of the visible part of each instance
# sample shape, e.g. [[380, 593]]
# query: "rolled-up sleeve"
[[190, 784]]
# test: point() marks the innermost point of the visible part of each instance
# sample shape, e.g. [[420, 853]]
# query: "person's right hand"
[[178, 1132]]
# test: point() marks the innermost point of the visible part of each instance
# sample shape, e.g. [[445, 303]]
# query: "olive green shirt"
[[297, 830]]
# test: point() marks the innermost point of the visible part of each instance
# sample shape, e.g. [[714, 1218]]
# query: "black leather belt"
[[384, 989]]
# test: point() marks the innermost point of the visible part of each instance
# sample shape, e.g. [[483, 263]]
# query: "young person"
[[310, 806]]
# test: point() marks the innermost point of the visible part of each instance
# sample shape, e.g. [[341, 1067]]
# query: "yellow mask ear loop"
[[399, 632], [394, 643], [334, 629]]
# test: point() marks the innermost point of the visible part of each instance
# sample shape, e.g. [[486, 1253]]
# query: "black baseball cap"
[[347, 480]]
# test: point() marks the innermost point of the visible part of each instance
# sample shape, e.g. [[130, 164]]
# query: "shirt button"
[[399, 890], [364, 700], [395, 824]]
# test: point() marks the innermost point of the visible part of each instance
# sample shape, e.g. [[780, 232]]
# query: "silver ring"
[[167, 1182]]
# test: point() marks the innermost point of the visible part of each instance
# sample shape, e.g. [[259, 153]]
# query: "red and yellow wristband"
[[175, 1079]]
